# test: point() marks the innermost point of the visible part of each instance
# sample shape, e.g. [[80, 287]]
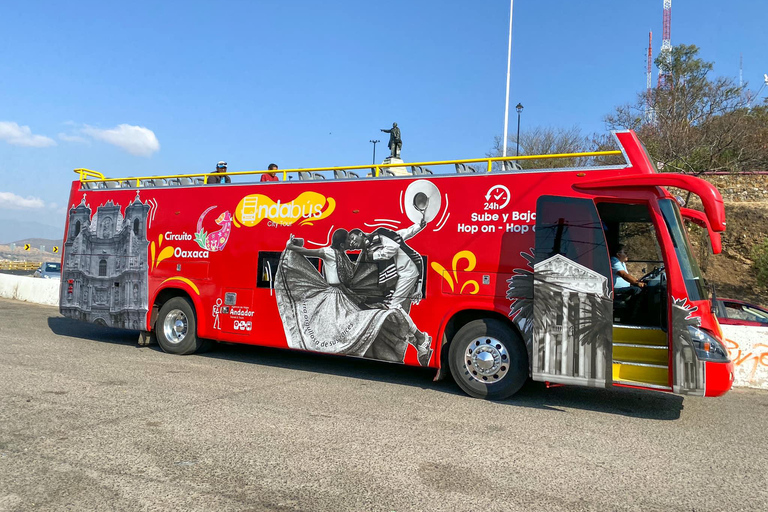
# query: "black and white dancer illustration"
[[359, 308]]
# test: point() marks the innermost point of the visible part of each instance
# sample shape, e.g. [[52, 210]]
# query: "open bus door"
[[573, 308]]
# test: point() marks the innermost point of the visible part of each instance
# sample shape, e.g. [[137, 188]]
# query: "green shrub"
[[760, 257]]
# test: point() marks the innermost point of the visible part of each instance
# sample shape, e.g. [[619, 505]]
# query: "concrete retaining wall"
[[30, 289], [748, 348]]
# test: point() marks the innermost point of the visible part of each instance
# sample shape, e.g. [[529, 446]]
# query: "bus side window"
[[268, 263]]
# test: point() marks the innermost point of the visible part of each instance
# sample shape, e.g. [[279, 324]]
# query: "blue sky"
[[147, 87]]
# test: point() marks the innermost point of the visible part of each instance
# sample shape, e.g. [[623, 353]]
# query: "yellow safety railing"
[[19, 265], [89, 176]]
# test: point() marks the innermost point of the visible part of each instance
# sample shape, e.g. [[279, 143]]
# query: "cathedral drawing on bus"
[[105, 276]]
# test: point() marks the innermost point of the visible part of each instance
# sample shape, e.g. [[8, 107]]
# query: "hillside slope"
[[731, 271]]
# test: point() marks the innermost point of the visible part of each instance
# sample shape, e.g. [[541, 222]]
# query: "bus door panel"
[[572, 287], [685, 289]]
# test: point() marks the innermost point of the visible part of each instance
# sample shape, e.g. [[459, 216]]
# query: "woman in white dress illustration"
[[335, 312]]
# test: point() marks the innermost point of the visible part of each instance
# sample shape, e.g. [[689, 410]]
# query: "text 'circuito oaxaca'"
[[307, 208]]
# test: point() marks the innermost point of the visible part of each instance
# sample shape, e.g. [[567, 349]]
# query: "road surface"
[[91, 421]]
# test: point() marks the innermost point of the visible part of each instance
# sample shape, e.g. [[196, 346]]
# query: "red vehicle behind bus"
[[498, 276]]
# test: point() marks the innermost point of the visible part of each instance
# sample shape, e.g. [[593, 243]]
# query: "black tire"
[[176, 327], [488, 360]]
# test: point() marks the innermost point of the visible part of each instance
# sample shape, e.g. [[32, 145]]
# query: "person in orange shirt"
[[270, 176]]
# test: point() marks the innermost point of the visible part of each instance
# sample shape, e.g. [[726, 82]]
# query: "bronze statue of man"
[[395, 142]]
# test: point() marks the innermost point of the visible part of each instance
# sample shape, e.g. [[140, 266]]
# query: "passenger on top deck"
[[270, 176], [220, 168]]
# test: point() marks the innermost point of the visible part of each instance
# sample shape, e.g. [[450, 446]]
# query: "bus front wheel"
[[176, 327], [488, 360]]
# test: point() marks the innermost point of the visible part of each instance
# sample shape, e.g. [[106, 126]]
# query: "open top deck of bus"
[[93, 179]]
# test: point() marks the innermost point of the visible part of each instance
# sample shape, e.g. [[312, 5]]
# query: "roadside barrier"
[[19, 265], [30, 289], [748, 349]]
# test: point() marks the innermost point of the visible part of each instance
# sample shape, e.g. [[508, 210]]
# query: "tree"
[[760, 257], [544, 141], [699, 124]]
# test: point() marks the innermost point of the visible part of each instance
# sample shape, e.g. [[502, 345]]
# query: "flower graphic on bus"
[[218, 239]]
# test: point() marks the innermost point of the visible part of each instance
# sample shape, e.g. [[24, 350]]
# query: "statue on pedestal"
[[395, 142]]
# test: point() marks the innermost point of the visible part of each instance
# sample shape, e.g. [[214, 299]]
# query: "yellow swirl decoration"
[[152, 251], [165, 253], [183, 280], [441, 270], [307, 208], [472, 282], [463, 255], [471, 262]]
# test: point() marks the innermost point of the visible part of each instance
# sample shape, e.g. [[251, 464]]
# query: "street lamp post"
[[374, 142], [519, 109]]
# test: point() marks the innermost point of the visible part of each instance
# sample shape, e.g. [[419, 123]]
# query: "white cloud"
[[13, 202], [72, 138], [16, 135], [136, 140]]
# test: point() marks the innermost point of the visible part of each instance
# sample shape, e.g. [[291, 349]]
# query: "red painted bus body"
[[500, 276]]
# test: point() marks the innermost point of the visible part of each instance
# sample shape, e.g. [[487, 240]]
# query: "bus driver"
[[623, 280]]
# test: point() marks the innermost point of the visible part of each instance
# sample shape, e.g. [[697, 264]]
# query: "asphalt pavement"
[[91, 421]]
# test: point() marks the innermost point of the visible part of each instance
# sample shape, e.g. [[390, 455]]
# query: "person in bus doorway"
[[270, 176], [220, 168], [626, 287], [622, 279]]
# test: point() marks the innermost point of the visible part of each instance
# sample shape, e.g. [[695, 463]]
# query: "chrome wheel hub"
[[486, 360], [175, 326]]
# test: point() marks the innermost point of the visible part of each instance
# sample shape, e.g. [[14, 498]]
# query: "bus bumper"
[[719, 378]]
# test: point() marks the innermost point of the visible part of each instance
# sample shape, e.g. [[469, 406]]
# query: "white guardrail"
[[30, 289], [747, 346], [748, 349]]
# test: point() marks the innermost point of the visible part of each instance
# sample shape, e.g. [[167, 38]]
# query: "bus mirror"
[[700, 219]]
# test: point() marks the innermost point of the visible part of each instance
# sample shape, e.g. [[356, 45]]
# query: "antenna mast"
[[741, 70], [665, 78], [649, 117]]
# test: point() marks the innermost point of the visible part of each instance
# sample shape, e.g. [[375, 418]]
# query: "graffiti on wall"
[[748, 349]]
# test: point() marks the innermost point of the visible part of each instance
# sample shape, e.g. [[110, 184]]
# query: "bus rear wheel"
[[176, 327], [488, 360]]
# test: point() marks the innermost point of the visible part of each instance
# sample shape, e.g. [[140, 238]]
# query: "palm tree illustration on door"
[[564, 311]]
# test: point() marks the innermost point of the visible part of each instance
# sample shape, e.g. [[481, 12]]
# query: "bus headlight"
[[708, 348]]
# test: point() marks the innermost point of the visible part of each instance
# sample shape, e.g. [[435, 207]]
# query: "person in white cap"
[[220, 167]]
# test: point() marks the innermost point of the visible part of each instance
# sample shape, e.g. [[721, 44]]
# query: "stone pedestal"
[[397, 171]]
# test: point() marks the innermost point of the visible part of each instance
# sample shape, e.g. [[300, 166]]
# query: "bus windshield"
[[694, 282]]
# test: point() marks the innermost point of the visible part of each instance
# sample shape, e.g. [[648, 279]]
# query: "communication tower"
[[665, 77], [649, 112]]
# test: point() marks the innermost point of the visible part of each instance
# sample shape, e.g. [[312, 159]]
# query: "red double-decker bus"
[[580, 276]]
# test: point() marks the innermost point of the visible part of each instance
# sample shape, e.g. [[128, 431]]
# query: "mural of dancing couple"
[[362, 307]]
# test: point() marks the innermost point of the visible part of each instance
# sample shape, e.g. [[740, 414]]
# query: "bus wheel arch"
[[486, 354], [174, 321]]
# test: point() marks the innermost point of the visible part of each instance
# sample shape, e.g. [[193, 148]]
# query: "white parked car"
[[49, 270]]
